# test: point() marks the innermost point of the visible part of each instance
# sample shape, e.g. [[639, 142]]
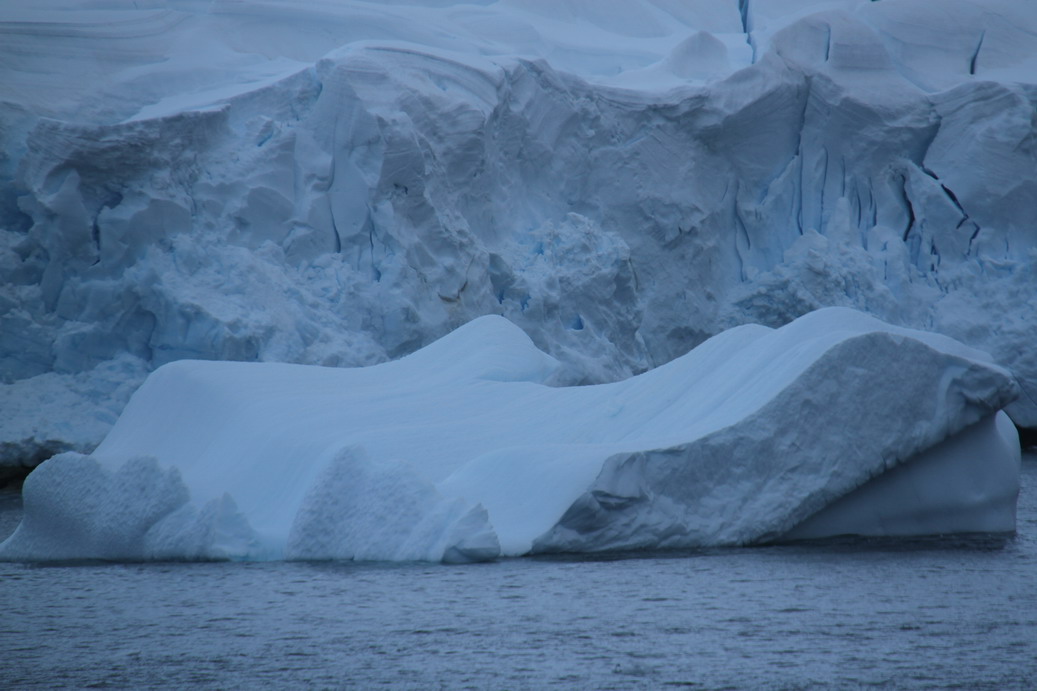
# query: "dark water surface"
[[940, 613]]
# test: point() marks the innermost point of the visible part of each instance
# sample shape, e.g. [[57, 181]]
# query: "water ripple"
[[947, 613]]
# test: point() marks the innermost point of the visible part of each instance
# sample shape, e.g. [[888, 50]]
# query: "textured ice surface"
[[340, 183], [963, 484], [460, 452]]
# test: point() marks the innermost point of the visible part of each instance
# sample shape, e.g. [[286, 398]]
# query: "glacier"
[[462, 451], [342, 183]]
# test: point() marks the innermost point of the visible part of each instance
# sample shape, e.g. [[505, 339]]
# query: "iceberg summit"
[[835, 423]]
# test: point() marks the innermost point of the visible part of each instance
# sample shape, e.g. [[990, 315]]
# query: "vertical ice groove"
[[908, 206], [798, 193], [858, 204], [336, 234], [972, 238], [95, 235], [954, 200], [747, 26], [742, 236], [823, 186], [800, 154], [370, 227], [975, 53]]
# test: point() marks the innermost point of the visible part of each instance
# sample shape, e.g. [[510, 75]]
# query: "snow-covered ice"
[[461, 451], [341, 183]]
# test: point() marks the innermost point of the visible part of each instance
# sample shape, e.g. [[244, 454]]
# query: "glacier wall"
[[343, 183]]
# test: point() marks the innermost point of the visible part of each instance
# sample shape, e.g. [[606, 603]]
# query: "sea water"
[[952, 612]]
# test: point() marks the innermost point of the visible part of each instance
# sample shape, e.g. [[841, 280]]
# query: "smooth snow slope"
[[460, 452], [340, 183]]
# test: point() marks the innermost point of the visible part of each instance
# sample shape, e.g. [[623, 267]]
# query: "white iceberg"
[[462, 451]]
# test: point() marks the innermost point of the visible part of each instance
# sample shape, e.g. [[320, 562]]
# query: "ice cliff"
[[340, 183], [835, 423]]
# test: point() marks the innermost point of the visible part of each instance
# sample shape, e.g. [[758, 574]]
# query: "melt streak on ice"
[[341, 183], [460, 452]]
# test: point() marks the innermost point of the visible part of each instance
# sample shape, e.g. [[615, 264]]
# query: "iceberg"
[[463, 451]]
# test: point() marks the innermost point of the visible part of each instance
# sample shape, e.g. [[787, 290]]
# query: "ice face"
[[966, 483], [461, 452], [343, 183]]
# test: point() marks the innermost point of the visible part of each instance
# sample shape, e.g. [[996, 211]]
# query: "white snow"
[[341, 183], [461, 452]]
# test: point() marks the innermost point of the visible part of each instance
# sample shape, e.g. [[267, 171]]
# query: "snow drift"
[[460, 452], [340, 183]]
